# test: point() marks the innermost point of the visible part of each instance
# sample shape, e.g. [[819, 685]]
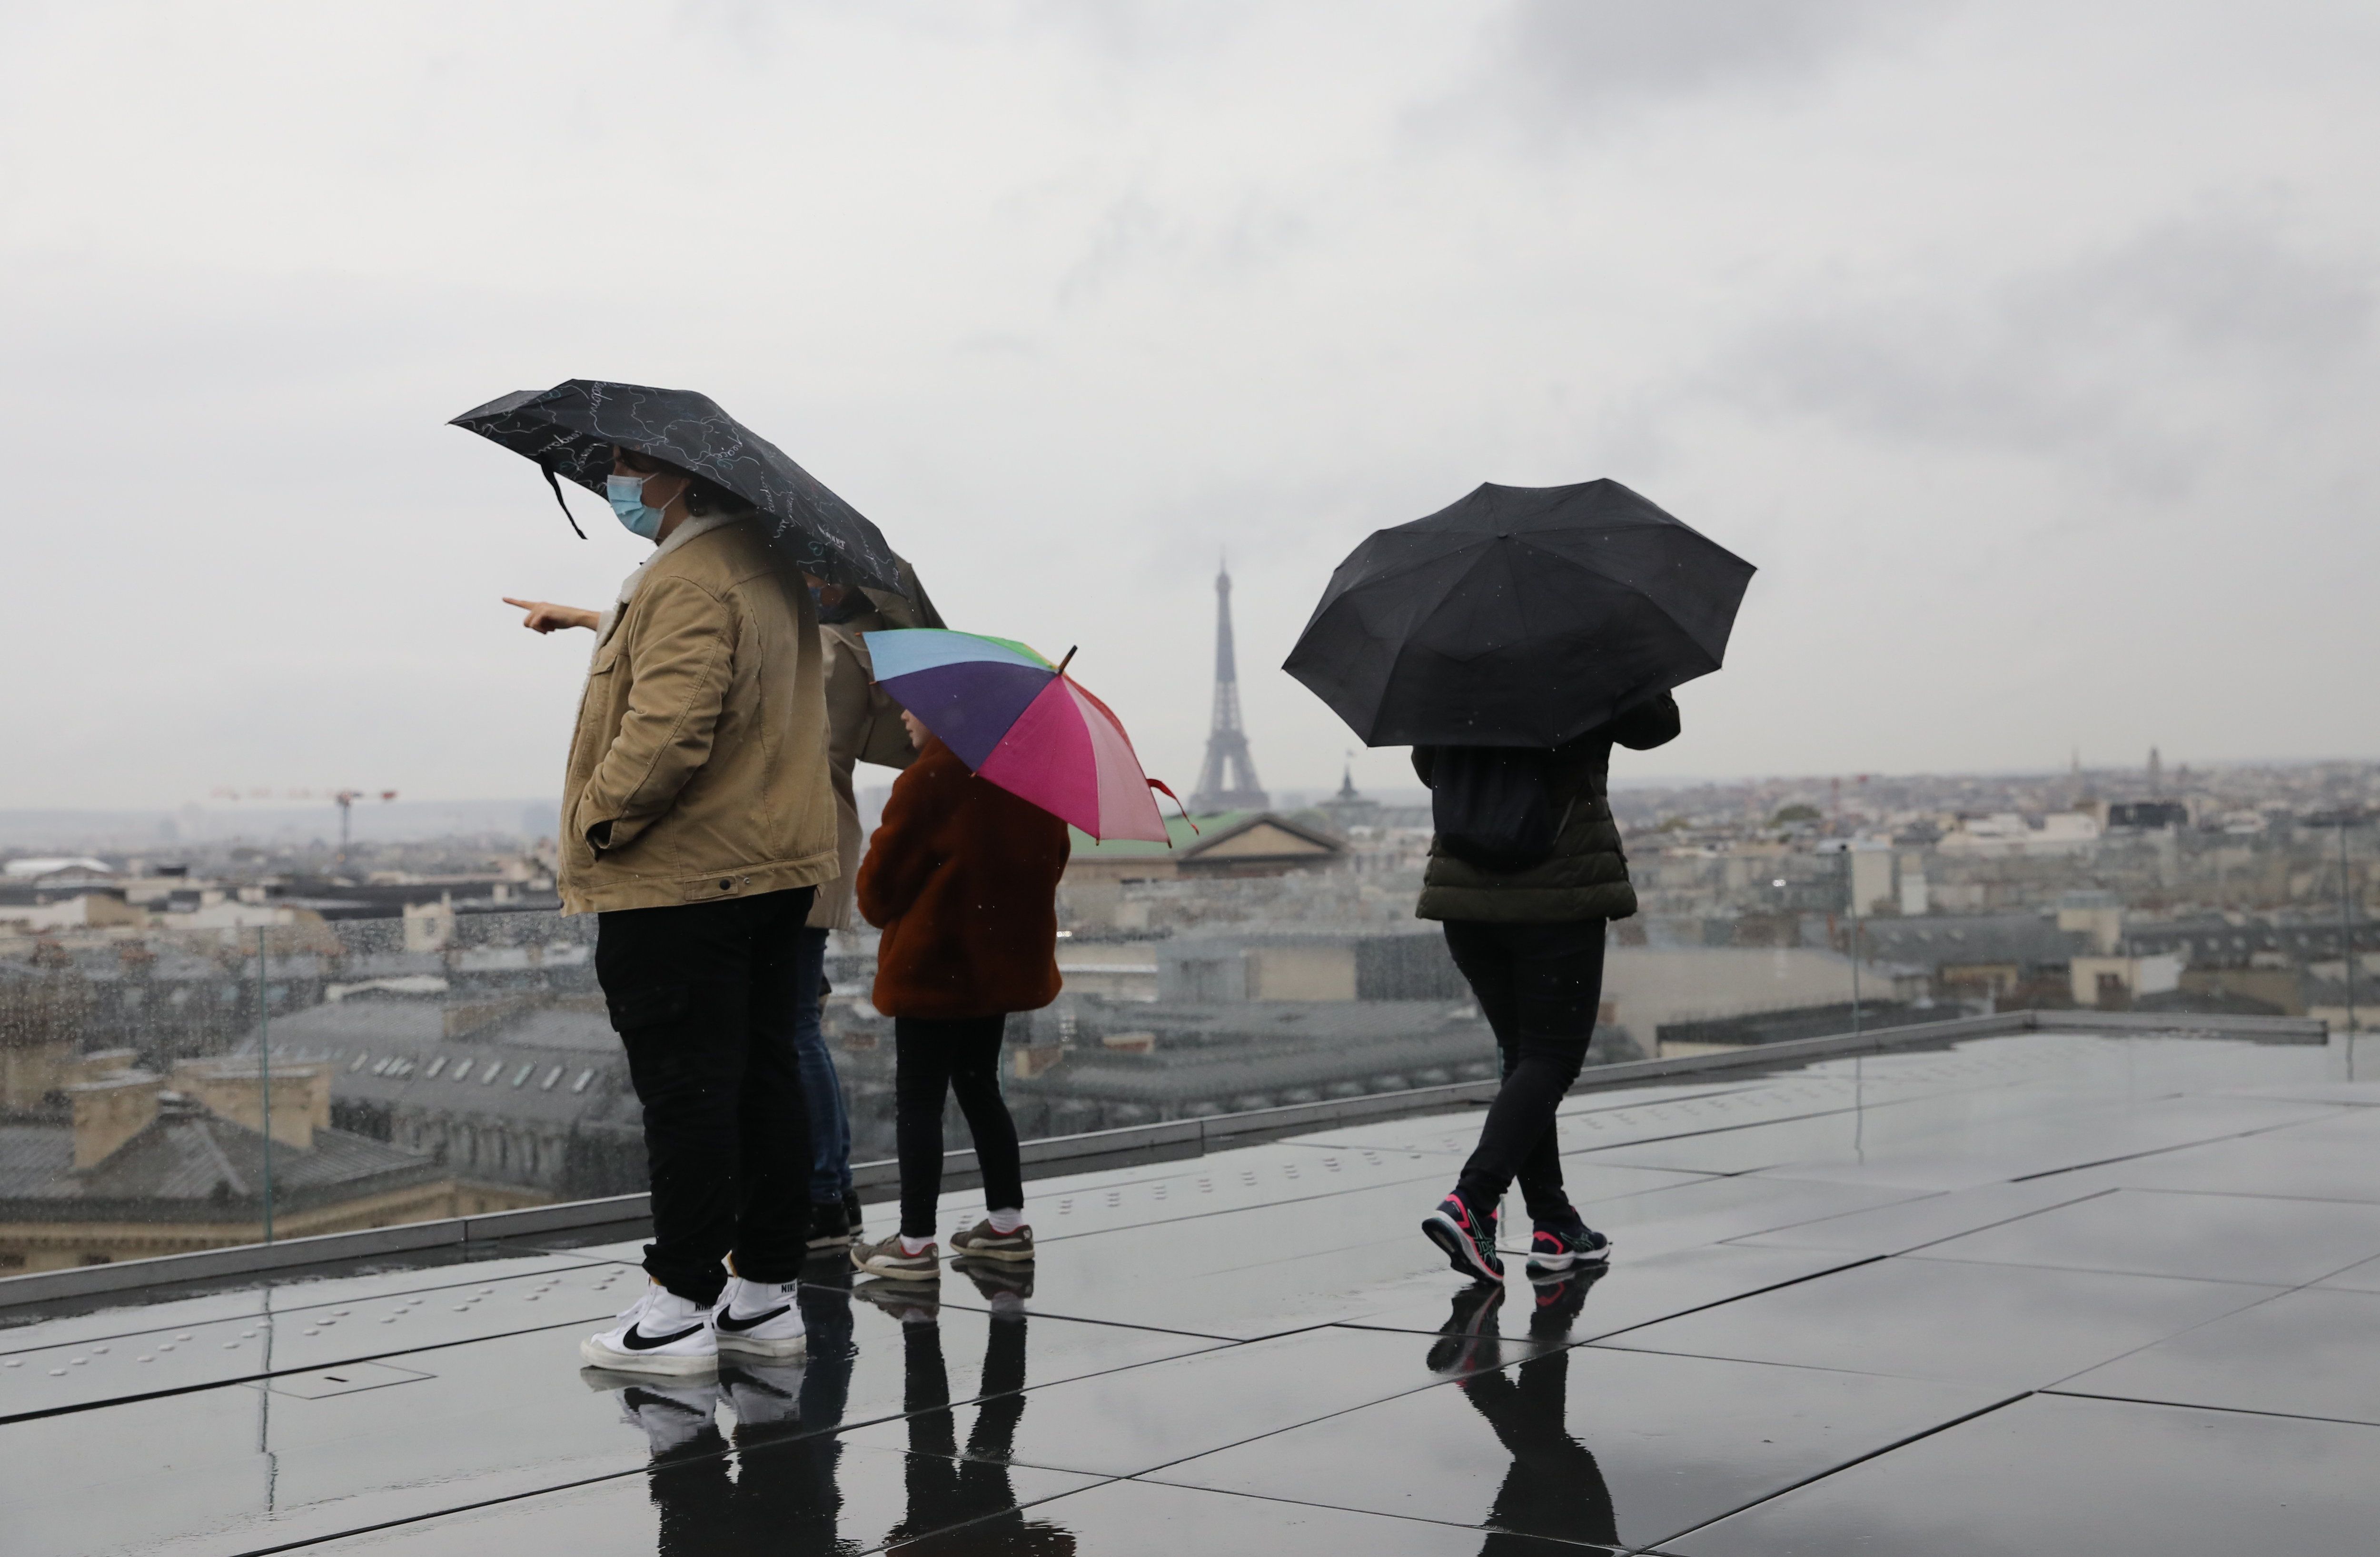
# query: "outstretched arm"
[[544, 616]]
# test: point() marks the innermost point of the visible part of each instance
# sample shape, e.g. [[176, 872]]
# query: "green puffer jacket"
[[1586, 878]]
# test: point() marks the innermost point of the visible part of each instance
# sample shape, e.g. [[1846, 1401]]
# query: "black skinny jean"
[[930, 1060], [1538, 986], [703, 997]]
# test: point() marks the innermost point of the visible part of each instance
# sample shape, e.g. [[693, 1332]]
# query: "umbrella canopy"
[[1518, 616], [1022, 722], [570, 429]]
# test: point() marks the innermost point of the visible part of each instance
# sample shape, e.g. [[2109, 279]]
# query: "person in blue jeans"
[[863, 725]]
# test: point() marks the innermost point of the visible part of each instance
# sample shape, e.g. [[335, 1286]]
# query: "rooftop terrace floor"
[[2049, 1293]]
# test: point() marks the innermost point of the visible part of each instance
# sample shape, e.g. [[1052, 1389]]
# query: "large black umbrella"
[[1518, 616], [570, 429]]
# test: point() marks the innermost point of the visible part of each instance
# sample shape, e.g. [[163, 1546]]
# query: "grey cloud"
[[2184, 345], [1560, 66]]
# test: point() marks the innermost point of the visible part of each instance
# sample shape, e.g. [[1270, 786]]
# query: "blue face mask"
[[627, 495]]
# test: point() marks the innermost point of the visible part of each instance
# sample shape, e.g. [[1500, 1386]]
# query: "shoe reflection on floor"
[[964, 1494], [1554, 1488], [777, 1493]]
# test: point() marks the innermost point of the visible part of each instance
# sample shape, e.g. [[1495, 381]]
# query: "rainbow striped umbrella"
[[1022, 722]]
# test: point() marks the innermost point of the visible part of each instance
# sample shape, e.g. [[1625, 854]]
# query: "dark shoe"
[[887, 1260], [1467, 1339], [980, 1242], [830, 1225], [907, 1301], [851, 1217], [997, 1279], [1560, 1298], [1467, 1238], [1557, 1247]]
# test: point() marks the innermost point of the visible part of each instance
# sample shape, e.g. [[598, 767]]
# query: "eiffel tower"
[[1227, 781]]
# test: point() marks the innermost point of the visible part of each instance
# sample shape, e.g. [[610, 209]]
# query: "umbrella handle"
[[1158, 785]]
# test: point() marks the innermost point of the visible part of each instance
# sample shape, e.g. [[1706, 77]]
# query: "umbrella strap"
[[1158, 785], [557, 497]]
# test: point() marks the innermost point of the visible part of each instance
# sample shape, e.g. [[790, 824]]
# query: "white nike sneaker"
[[764, 1394], [664, 1334], [759, 1319], [674, 1417]]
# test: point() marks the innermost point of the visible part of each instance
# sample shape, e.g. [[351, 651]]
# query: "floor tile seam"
[[941, 1531], [472, 1507], [2274, 1288], [1894, 1447], [729, 1449], [1150, 1470], [985, 1308], [2153, 1151], [2207, 1405], [1148, 1479], [1259, 1206], [2250, 1195], [1986, 1227], [1682, 1313], [1149, 1329], [2271, 1293], [232, 1318], [271, 1374], [2284, 1285], [1606, 1344], [1805, 1221]]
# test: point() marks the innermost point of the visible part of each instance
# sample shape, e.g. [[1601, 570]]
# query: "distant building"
[[1347, 809], [522, 1087], [1232, 843], [2146, 816], [106, 1162]]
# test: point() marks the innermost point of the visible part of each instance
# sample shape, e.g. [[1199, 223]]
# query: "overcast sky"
[[2027, 348]]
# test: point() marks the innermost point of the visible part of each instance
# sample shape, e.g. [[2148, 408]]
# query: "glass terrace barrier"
[[458, 1059]]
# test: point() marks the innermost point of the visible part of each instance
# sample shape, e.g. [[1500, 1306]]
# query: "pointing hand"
[[544, 616]]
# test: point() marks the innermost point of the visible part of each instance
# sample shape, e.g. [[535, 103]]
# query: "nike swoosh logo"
[[735, 1326], [636, 1341]]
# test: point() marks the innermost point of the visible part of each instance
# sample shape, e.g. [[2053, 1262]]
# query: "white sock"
[[915, 1246], [1005, 1222]]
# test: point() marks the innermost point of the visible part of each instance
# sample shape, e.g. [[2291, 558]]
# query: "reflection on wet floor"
[[2099, 1273]]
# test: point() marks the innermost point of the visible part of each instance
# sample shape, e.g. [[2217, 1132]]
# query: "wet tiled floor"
[[2056, 1292]]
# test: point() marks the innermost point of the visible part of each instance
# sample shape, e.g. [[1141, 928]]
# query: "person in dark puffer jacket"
[[1530, 941]]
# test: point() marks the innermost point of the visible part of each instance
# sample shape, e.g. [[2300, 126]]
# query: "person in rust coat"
[[962, 877]]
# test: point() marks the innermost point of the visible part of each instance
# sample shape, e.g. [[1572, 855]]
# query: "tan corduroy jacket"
[[698, 768]]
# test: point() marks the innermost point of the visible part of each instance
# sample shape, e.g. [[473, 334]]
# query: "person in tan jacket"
[[863, 725], [697, 823]]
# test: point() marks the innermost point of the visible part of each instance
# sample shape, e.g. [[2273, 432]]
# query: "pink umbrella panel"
[[1023, 723]]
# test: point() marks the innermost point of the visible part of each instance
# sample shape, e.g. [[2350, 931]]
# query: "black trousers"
[[930, 1060], [1538, 986], [703, 997]]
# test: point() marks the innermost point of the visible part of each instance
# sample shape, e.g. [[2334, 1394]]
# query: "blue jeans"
[[821, 1090]]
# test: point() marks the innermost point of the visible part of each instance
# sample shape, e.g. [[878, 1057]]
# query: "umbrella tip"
[[1068, 660]]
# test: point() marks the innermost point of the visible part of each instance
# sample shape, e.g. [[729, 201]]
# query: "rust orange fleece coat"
[[962, 879]]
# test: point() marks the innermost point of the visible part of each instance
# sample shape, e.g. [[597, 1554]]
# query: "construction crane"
[[344, 798]]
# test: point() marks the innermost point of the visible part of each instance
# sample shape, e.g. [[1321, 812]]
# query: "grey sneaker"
[[887, 1259], [980, 1242]]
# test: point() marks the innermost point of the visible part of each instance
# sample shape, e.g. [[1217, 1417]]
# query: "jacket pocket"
[[655, 1005]]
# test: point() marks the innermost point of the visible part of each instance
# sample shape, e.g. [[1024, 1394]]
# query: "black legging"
[[1538, 986], [929, 1060]]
